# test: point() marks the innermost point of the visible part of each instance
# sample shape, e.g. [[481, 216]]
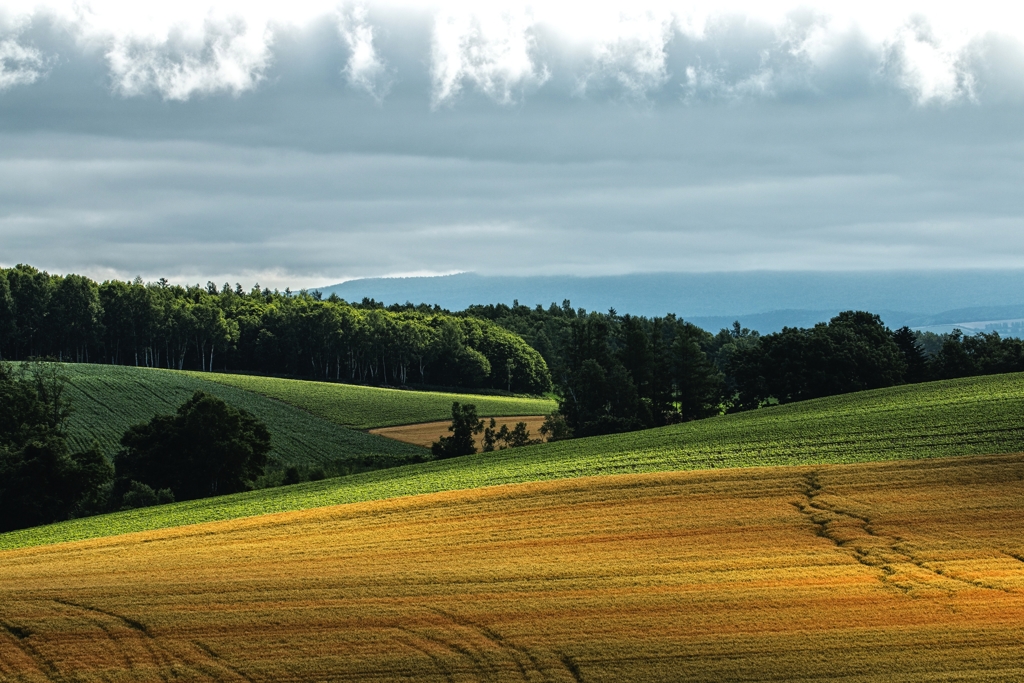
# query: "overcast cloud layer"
[[314, 142]]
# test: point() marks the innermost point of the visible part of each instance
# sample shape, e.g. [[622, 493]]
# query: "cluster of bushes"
[[74, 319], [465, 424], [206, 448]]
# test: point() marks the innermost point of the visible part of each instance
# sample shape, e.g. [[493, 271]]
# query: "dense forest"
[[619, 372], [74, 319], [611, 372]]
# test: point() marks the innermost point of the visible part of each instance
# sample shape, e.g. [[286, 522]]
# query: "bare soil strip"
[[898, 571], [426, 433]]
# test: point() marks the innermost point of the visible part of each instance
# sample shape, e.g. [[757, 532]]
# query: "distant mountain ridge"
[[761, 300]]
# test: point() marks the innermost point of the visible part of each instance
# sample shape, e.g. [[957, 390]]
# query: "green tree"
[[212, 329], [555, 427], [697, 383], [30, 292], [130, 320], [207, 448], [40, 480], [852, 352], [500, 439], [913, 354], [8, 326], [139, 495], [465, 424], [75, 315]]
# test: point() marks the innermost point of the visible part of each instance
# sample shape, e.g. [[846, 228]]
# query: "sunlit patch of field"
[[359, 407], [426, 433], [896, 571]]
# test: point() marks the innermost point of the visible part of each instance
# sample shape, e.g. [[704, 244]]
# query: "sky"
[[305, 143]]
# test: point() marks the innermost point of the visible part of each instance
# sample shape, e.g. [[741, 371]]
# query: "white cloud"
[[507, 48], [19, 65], [634, 56], [229, 56], [365, 69], [226, 54], [931, 68], [183, 48], [493, 49], [631, 53]]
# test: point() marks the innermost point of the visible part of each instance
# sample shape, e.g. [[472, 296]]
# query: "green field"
[[369, 407], [976, 415], [107, 399]]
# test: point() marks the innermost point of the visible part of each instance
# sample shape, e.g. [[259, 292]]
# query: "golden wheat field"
[[426, 433], [909, 571]]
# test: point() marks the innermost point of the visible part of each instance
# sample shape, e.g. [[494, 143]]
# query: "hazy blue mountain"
[[762, 300]]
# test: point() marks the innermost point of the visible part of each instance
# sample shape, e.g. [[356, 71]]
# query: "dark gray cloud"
[[746, 145]]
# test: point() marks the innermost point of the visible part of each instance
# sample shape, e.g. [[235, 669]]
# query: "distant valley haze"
[[768, 162]]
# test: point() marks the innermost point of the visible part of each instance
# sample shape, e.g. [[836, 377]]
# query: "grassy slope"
[[369, 407], [108, 399], [960, 417]]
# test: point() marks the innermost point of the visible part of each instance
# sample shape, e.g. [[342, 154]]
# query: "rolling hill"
[[371, 407], [107, 399], [312, 423], [899, 571], [973, 416]]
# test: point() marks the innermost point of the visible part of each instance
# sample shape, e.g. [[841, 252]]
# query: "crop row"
[[106, 400]]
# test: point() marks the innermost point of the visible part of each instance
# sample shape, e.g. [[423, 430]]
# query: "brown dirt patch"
[[426, 433]]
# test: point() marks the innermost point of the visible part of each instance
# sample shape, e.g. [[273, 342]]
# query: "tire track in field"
[[572, 667], [528, 666], [167, 663], [20, 636], [409, 639], [484, 670], [158, 655], [221, 662], [515, 652], [824, 516]]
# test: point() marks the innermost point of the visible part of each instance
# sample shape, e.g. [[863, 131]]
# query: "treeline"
[[612, 372], [621, 372], [617, 373], [74, 319]]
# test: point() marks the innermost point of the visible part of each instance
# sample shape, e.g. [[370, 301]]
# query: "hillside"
[[904, 571], [978, 415], [360, 407], [107, 399]]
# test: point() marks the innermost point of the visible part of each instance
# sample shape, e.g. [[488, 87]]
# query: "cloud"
[[365, 70], [226, 55], [631, 54], [933, 70], [19, 65], [937, 54], [692, 188], [493, 49]]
